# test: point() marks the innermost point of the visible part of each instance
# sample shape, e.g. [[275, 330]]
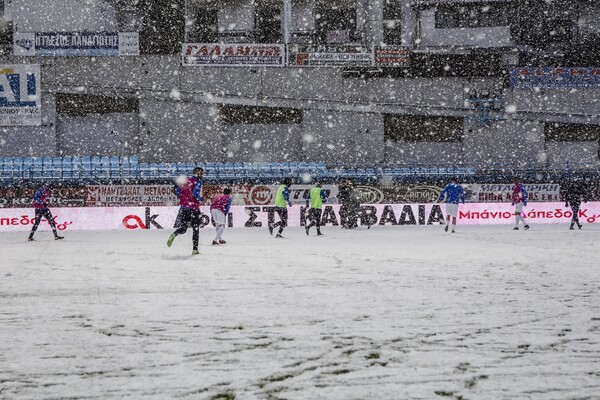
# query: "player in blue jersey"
[[454, 194]]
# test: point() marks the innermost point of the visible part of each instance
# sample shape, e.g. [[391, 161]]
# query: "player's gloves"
[[566, 204], [524, 204]]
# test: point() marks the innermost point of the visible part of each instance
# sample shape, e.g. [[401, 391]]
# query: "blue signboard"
[[554, 77], [20, 95], [76, 43]]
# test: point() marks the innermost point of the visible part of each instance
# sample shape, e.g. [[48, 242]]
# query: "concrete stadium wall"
[[342, 117]]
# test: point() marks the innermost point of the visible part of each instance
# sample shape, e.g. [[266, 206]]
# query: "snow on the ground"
[[387, 313]]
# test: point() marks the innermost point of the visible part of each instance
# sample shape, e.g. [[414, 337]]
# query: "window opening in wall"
[[82, 104], [163, 26], [558, 25], [392, 22], [267, 23], [417, 128], [206, 29], [233, 114], [479, 15], [336, 25], [561, 132], [564, 132], [6, 32]]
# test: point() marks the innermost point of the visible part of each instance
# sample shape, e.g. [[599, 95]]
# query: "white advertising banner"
[[501, 193], [20, 95], [110, 218], [75, 43], [233, 54], [130, 195]]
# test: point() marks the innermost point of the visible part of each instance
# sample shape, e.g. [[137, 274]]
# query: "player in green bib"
[[282, 200], [314, 200]]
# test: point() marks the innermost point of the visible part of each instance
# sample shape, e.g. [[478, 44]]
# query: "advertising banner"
[[499, 193], [20, 197], [20, 95], [330, 55], [76, 43], [554, 78], [132, 218], [392, 56], [233, 55], [130, 195], [397, 193], [263, 195]]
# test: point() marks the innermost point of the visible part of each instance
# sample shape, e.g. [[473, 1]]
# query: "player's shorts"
[[217, 216], [452, 209], [518, 207]]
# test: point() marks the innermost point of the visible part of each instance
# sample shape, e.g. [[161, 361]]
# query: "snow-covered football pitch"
[[405, 312]]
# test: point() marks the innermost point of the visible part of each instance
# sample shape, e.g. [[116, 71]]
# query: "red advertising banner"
[[232, 55], [392, 56]]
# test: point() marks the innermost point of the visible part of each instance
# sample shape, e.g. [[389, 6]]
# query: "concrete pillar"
[[409, 23], [374, 22], [287, 20]]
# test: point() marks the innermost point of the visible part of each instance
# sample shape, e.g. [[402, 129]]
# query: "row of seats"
[[129, 167]]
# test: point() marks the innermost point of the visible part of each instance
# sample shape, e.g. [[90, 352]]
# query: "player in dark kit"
[[40, 203], [190, 198], [576, 191]]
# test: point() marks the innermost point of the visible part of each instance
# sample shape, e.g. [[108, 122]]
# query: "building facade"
[[347, 81]]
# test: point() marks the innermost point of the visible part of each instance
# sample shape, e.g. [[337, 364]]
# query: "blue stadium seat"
[[54, 171], [27, 170], [5, 168], [95, 167], [182, 169], [76, 167], [36, 167], [144, 169], [167, 170], [47, 167], [114, 167], [10, 170], [86, 167]]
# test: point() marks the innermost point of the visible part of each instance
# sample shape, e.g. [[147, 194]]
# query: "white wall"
[[258, 143], [424, 152], [302, 16], [343, 136], [517, 141], [95, 134], [32, 141], [589, 21], [63, 15], [498, 36], [178, 131], [573, 152], [236, 15]]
